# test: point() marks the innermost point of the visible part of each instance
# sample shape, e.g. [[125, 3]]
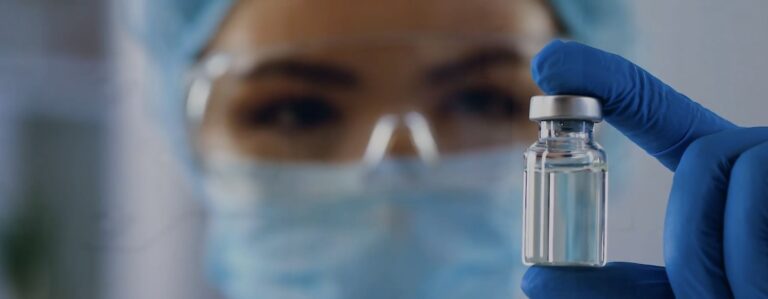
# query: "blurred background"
[[93, 203]]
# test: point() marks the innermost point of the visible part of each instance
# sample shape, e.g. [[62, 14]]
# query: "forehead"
[[258, 23]]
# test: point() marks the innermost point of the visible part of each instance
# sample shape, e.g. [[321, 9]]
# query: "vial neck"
[[573, 129]]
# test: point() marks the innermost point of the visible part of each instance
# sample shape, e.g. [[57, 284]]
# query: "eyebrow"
[[473, 62], [315, 73]]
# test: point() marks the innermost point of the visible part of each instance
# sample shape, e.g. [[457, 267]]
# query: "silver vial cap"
[[565, 107]]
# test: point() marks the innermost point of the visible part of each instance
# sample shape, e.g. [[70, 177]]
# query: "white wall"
[[713, 51]]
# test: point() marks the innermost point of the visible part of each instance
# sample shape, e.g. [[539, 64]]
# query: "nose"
[[401, 143], [403, 135]]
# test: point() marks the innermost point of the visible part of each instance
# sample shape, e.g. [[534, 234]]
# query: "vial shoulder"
[[566, 154], [565, 145]]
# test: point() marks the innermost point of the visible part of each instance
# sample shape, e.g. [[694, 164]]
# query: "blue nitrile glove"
[[716, 230]]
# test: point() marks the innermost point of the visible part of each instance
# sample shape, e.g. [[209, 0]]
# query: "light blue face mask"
[[403, 230]]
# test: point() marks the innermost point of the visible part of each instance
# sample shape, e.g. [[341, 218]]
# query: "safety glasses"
[[361, 100]]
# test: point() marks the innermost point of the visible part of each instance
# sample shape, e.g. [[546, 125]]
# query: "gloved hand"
[[716, 230]]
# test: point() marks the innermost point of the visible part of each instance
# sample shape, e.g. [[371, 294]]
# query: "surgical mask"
[[403, 230]]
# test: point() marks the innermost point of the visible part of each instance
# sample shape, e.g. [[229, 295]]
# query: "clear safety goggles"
[[361, 100]]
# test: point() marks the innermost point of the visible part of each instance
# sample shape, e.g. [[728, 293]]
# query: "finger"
[[693, 233], [649, 112], [615, 280], [746, 225]]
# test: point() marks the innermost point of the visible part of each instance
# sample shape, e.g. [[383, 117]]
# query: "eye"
[[482, 102], [290, 113]]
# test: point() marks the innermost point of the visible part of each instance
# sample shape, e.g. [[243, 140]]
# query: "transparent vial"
[[565, 190]]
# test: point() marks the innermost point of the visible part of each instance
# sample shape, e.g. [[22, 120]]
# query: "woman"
[[355, 149]]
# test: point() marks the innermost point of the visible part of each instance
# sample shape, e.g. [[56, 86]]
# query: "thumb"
[[615, 280]]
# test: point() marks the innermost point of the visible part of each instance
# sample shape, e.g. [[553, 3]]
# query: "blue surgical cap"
[[175, 31], [601, 23]]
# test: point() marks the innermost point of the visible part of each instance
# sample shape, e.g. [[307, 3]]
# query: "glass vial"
[[565, 185]]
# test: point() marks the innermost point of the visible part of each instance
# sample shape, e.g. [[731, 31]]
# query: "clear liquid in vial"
[[564, 219]]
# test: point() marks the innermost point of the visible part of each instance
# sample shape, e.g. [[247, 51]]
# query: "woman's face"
[[318, 77]]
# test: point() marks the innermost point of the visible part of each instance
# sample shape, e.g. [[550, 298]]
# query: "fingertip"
[[549, 49], [568, 67], [542, 60]]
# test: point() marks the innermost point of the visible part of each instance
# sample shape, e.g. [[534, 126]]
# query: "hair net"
[[600, 23], [174, 31]]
